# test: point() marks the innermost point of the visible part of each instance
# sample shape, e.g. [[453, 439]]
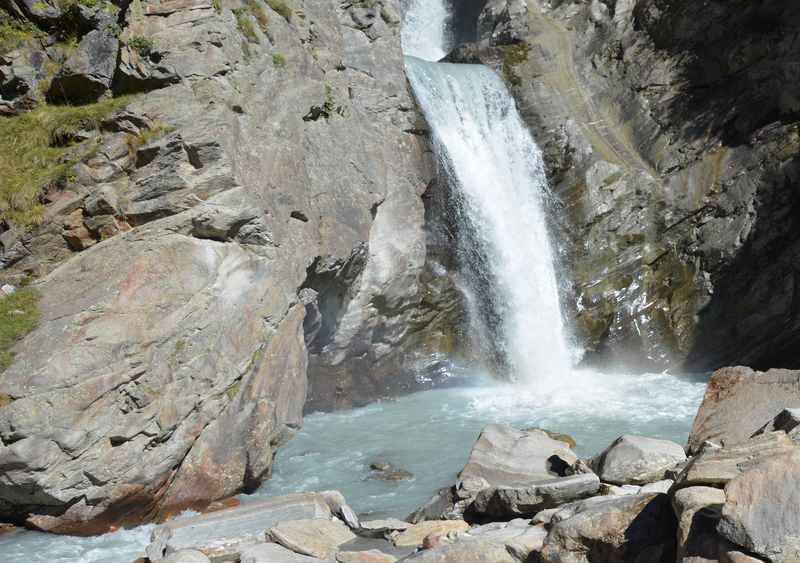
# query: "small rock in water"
[[387, 472]]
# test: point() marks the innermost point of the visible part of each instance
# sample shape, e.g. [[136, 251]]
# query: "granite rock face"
[[232, 252], [637, 460]]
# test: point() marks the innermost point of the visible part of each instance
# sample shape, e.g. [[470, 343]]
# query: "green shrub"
[[514, 55], [144, 45], [278, 60], [14, 33], [35, 153], [258, 12], [282, 8], [245, 24], [19, 315]]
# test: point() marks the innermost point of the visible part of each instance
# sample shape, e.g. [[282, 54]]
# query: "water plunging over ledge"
[[497, 177]]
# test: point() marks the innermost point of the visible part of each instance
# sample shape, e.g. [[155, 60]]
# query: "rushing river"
[[428, 434]]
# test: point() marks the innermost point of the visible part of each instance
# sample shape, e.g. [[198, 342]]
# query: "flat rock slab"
[[611, 529], [371, 556], [415, 535], [316, 538], [225, 532], [762, 509], [502, 503], [637, 460], [382, 528], [716, 466], [739, 401], [274, 553]]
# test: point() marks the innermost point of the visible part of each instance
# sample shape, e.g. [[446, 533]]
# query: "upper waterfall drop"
[[424, 33]]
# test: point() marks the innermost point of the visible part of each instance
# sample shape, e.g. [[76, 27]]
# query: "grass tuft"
[[35, 153], [513, 56], [282, 8], [19, 315]]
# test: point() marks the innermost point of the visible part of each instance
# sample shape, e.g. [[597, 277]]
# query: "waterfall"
[[496, 173], [424, 32]]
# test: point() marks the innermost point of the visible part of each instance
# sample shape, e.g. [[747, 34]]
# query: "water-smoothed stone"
[[698, 510], [717, 466], [637, 460], [339, 507], [371, 556], [662, 486], [387, 472], [314, 537], [416, 534], [382, 528], [761, 509], [613, 530], [500, 503], [186, 556], [274, 553], [739, 401], [227, 532]]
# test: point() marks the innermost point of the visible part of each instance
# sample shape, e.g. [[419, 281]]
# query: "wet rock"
[[313, 537], [226, 533], [186, 556], [416, 534], [382, 528], [503, 22], [615, 529], [273, 553], [698, 510], [88, 72], [637, 460], [387, 472], [739, 401], [760, 511], [717, 466]]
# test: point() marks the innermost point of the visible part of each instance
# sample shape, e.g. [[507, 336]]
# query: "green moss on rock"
[[19, 315]]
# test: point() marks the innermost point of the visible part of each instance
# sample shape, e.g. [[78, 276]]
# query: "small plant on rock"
[[278, 60], [282, 8], [143, 45]]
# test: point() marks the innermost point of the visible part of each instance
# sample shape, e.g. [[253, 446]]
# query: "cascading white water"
[[424, 32], [497, 173]]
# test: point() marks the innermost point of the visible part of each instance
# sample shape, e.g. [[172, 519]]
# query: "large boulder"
[[612, 530], [636, 460], [761, 509], [739, 401], [88, 72], [512, 473]]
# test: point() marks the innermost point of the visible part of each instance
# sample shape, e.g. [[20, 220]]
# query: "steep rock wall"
[[279, 146]]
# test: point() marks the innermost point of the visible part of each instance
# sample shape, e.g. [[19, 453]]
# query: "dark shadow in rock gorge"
[[753, 317], [737, 60]]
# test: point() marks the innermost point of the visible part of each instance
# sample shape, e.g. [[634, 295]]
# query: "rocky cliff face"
[[257, 211], [671, 133]]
